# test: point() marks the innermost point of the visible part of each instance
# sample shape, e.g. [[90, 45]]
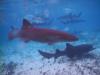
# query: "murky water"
[[76, 17]]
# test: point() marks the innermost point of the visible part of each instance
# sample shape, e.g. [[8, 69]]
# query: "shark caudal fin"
[[13, 33], [45, 54], [26, 24]]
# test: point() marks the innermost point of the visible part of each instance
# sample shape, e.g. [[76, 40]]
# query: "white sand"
[[30, 62], [79, 67]]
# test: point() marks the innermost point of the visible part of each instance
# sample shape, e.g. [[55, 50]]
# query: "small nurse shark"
[[70, 51]]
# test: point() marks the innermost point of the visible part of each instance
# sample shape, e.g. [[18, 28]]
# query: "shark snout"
[[90, 47]]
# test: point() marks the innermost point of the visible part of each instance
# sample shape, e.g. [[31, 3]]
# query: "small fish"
[[70, 51]]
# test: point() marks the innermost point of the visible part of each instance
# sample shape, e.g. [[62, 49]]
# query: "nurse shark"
[[70, 51], [43, 35]]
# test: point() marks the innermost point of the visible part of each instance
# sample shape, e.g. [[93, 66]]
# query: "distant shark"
[[71, 18], [43, 35], [70, 51], [41, 21]]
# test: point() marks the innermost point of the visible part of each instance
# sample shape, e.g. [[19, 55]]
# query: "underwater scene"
[[49, 37]]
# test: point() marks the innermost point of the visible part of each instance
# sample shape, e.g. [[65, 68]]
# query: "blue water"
[[12, 13]]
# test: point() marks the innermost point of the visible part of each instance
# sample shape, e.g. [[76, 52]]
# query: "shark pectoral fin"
[[25, 40], [50, 43]]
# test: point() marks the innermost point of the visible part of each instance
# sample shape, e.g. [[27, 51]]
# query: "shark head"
[[86, 47], [79, 50]]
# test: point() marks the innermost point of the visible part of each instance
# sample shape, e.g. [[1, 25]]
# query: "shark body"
[[70, 51], [43, 35]]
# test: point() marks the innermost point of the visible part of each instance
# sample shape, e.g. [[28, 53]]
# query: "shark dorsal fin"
[[69, 46], [26, 24], [57, 50]]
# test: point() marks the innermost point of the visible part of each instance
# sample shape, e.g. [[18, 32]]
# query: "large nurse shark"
[[43, 35], [70, 51]]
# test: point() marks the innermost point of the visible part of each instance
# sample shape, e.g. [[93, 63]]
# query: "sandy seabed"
[[51, 67], [24, 59]]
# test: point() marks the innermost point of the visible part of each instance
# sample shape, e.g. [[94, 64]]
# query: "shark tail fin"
[[45, 54], [13, 33]]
